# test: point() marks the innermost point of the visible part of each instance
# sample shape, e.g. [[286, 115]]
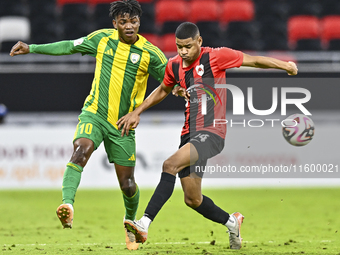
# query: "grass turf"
[[277, 221]]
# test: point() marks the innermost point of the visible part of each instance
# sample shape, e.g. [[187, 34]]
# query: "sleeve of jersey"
[[81, 45], [228, 58], [169, 78], [157, 64]]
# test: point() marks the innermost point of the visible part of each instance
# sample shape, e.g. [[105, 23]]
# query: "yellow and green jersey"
[[121, 74]]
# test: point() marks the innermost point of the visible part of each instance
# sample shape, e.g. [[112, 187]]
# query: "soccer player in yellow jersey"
[[124, 61]]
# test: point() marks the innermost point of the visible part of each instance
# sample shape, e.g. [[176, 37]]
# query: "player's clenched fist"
[[19, 48], [293, 70]]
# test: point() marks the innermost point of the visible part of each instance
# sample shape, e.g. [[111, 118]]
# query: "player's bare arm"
[[19, 48], [182, 92], [131, 120], [267, 62]]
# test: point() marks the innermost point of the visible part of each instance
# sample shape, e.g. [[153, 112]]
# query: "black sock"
[[212, 212], [162, 193]]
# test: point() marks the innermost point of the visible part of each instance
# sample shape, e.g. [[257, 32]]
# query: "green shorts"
[[120, 150]]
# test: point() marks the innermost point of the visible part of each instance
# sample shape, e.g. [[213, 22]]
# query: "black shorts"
[[207, 145]]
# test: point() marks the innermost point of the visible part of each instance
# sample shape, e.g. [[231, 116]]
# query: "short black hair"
[[187, 30], [119, 8]]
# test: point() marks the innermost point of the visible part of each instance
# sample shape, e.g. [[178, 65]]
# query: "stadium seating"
[[44, 30], [308, 45], [70, 10], [198, 11], [75, 20], [169, 14], [36, 9], [272, 11], [330, 29], [101, 17], [95, 2], [12, 8], [44, 21], [171, 10], [154, 39], [212, 33], [237, 10], [148, 18], [62, 2], [330, 7], [168, 43], [334, 44], [305, 28], [207, 21], [12, 29], [274, 35], [306, 7], [242, 35], [270, 25]]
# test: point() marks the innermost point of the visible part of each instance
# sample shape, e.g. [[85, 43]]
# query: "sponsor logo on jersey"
[[200, 69], [78, 42], [209, 90], [134, 57]]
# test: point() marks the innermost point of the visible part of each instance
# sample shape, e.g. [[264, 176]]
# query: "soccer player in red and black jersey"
[[195, 69]]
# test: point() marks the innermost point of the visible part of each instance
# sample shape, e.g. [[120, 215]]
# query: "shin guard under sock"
[[211, 211], [162, 193]]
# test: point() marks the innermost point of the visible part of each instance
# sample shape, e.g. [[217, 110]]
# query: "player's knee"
[[192, 202], [81, 154], [128, 187], [170, 167]]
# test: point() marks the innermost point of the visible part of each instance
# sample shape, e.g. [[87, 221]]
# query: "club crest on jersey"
[[78, 42], [200, 69], [134, 57]]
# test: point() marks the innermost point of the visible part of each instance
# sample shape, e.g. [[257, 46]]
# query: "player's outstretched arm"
[[131, 120], [19, 48], [267, 62], [67, 47]]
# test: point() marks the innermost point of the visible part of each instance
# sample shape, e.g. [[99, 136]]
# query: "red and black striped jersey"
[[199, 79]]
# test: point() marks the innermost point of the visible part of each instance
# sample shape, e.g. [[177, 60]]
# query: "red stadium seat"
[[154, 39], [62, 2], [303, 27], [237, 10], [330, 28], [198, 10], [170, 10], [168, 43], [94, 2]]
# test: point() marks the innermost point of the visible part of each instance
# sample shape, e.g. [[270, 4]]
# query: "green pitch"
[[277, 221]]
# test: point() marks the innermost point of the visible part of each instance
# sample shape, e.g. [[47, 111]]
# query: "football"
[[298, 129]]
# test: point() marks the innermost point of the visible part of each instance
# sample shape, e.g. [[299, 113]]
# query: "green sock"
[[131, 205], [71, 182]]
